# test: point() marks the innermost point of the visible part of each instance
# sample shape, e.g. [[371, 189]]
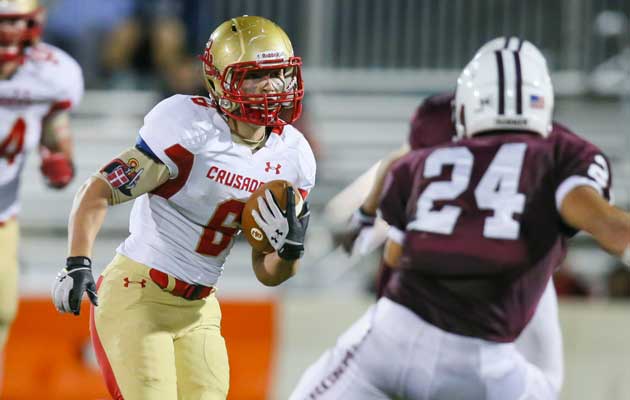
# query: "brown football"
[[253, 233]]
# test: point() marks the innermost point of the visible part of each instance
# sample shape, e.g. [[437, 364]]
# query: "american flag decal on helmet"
[[536, 101]]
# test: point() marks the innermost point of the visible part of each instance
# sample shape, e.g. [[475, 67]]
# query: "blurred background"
[[368, 64]]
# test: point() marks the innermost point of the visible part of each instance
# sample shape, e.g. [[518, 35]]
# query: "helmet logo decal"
[[270, 55], [208, 60]]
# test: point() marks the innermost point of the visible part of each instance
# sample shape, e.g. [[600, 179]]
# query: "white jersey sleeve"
[[61, 74], [174, 122], [306, 160]]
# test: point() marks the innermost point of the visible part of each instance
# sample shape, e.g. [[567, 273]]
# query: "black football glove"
[[284, 230], [70, 284], [293, 247]]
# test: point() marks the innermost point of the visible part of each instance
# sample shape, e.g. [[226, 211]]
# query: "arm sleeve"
[[164, 128], [396, 192], [308, 168], [131, 174], [581, 163], [70, 88]]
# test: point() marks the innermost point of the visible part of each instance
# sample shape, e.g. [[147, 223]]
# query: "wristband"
[[78, 261], [364, 217]]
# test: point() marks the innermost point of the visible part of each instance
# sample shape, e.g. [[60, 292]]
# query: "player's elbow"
[[273, 280], [271, 271], [270, 281], [92, 193]]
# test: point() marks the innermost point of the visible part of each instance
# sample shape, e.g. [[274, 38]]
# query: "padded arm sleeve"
[[131, 174]]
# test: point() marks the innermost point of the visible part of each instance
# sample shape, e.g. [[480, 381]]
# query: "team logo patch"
[[256, 234], [123, 175]]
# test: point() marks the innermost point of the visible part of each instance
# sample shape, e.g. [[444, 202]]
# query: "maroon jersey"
[[431, 125], [482, 230]]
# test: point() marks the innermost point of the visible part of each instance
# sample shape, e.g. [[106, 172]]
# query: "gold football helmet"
[[21, 23], [253, 49]]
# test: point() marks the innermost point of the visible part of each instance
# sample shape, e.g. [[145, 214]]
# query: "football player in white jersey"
[[156, 331], [39, 84]]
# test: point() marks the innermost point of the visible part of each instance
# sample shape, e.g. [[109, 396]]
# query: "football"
[[253, 233]]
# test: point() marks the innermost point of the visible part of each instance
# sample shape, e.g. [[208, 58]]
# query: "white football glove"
[[271, 220]]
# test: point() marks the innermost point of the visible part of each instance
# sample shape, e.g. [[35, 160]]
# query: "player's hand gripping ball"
[[254, 233]]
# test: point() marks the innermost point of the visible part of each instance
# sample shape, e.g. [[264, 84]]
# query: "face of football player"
[[262, 86], [264, 81], [12, 32]]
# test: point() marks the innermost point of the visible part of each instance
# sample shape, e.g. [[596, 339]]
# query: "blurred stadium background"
[[368, 64]]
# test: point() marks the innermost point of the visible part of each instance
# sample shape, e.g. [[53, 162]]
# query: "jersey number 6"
[[219, 232]]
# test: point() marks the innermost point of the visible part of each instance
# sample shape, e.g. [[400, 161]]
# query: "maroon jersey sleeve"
[[579, 163], [396, 193], [432, 123]]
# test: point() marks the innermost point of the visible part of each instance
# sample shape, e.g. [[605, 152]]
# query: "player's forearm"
[[585, 209], [613, 232], [371, 202], [87, 215], [271, 270], [56, 135]]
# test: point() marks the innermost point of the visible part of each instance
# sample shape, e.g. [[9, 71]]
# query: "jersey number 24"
[[497, 191]]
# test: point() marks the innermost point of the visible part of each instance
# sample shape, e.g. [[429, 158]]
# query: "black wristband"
[[366, 214], [291, 254], [78, 261]]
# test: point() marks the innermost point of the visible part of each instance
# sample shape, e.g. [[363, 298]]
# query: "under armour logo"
[[276, 168], [126, 281], [278, 232]]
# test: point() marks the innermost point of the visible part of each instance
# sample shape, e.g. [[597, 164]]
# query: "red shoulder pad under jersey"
[[578, 162], [397, 191], [432, 123]]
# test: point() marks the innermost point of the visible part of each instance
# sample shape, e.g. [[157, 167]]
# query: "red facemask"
[[278, 107]]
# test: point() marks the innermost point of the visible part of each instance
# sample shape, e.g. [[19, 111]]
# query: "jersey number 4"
[[13, 144], [497, 191]]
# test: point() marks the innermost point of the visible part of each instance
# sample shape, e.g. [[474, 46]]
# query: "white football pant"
[[390, 352]]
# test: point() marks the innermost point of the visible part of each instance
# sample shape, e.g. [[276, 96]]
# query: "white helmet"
[[506, 86], [512, 43]]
